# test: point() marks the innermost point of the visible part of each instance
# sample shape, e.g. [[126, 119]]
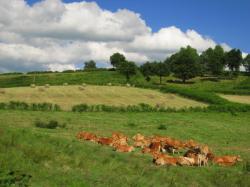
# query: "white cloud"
[[56, 36]]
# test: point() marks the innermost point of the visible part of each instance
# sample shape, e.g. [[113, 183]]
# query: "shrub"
[[50, 125], [132, 125], [162, 127], [65, 84]]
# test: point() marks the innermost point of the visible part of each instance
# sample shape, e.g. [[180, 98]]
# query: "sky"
[[59, 35]]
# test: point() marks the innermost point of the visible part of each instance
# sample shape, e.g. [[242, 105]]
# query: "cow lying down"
[[159, 147]]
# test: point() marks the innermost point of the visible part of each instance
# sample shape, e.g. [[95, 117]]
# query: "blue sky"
[[57, 35], [222, 20]]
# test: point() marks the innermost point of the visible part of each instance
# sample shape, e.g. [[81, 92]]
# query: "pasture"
[[68, 96], [245, 99], [54, 157]]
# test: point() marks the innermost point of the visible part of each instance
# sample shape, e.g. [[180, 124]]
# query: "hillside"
[[68, 96]]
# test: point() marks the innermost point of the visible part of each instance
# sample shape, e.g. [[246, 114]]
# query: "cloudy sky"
[[59, 35]]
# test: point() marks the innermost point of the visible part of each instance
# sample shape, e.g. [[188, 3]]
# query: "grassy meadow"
[[237, 98], [68, 96], [35, 156], [53, 157]]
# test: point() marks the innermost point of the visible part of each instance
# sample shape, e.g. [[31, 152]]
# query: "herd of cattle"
[[162, 149]]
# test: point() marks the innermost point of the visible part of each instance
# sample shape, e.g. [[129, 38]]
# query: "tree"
[[147, 70], [161, 69], [184, 64], [116, 59], [234, 60], [213, 61], [246, 63], [90, 65], [127, 68]]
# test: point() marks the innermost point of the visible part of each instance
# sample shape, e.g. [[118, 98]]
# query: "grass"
[[68, 96], [93, 77], [245, 99], [53, 157]]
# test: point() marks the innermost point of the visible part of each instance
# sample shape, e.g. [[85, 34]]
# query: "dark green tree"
[[234, 60], [116, 59], [246, 63], [127, 68], [184, 64], [213, 61], [147, 70], [160, 69], [90, 65]]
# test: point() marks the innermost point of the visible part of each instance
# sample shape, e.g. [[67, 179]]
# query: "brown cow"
[[119, 138], [226, 160], [124, 148], [87, 136], [105, 141], [166, 160]]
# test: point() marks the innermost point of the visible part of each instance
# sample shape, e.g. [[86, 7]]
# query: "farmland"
[[54, 157], [68, 96], [49, 154]]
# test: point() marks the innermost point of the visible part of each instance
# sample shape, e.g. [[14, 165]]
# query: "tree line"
[[185, 64]]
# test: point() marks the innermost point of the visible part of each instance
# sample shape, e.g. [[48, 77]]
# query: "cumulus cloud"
[[52, 35]]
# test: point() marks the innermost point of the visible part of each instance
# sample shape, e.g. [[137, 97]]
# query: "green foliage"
[[184, 64], [89, 65], [52, 124], [116, 59], [16, 105], [213, 61], [159, 69], [162, 127], [246, 63], [14, 178], [127, 68], [234, 60]]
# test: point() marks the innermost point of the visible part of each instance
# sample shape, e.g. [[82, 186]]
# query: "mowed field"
[[245, 99], [68, 96], [54, 157]]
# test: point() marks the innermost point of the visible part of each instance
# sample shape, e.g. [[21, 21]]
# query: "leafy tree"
[[246, 63], [116, 59], [213, 61], [234, 60], [147, 70], [90, 65], [184, 64], [160, 69], [127, 68]]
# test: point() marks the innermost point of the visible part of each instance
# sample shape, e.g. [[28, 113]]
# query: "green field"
[[68, 96], [55, 158]]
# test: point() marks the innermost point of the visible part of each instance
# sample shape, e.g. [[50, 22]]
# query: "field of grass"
[[53, 157], [93, 77], [237, 98], [68, 96]]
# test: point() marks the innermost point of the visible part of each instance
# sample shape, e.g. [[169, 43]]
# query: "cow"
[[123, 148], [87, 136], [119, 138], [186, 161], [226, 160], [105, 141]]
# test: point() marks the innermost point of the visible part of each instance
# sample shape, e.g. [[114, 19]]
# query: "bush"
[[50, 125], [16, 105], [162, 127]]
